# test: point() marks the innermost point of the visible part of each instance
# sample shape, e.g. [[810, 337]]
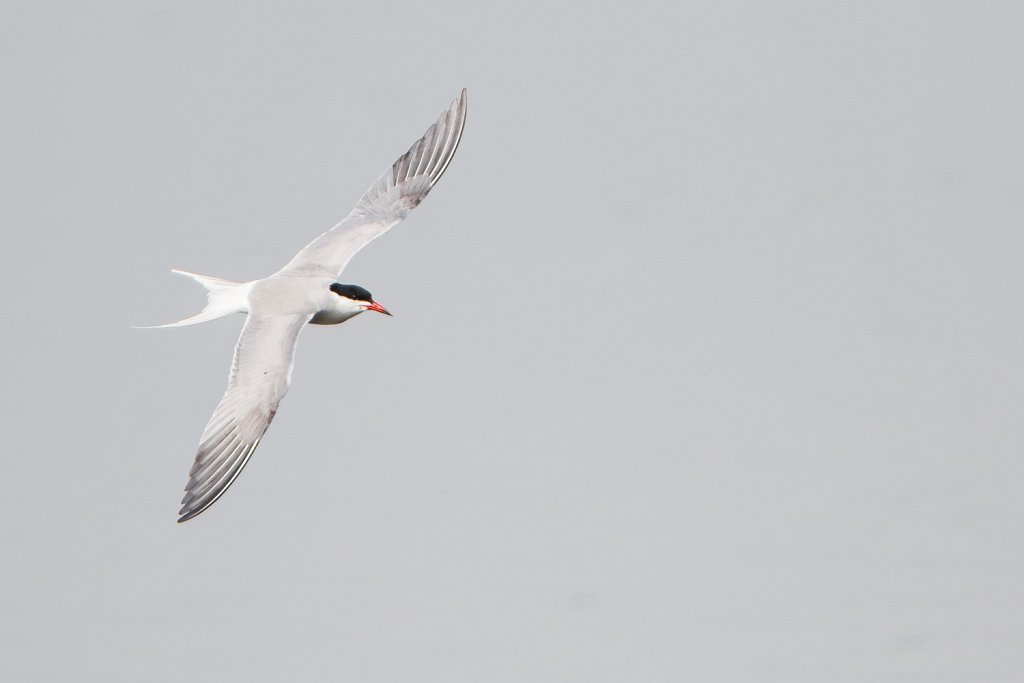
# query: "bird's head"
[[357, 298]]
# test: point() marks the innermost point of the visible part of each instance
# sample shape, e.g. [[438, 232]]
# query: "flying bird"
[[305, 291]]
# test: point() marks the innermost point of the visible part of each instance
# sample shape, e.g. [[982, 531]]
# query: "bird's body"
[[305, 291], [308, 296]]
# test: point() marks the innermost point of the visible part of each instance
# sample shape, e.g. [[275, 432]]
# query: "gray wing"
[[388, 200], [260, 374]]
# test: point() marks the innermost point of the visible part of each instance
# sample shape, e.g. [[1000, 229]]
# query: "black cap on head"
[[354, 292]]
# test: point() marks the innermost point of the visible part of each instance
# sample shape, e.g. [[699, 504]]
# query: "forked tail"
[[223, 297]]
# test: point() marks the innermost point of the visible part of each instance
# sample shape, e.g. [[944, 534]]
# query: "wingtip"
[[186, 516], [458, 105], [188, 510]]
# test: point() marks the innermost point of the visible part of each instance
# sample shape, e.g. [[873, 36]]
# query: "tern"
[[305, 291]]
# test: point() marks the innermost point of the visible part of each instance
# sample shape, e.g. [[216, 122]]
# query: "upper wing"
[[388, 200], [259, 378]]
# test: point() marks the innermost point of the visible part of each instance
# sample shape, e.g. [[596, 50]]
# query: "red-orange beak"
[[374, 306]]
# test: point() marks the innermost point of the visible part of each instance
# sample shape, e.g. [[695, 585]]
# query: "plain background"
[[705, 365]]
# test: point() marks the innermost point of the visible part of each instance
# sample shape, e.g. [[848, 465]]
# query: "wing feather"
[[260, 374], [390, 199]]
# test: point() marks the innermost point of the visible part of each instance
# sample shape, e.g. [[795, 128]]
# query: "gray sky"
[[705, 365]]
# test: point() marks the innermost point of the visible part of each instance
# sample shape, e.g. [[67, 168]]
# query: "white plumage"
[[304, 291]]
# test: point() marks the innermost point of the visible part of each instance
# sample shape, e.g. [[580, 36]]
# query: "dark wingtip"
[[186, 512]]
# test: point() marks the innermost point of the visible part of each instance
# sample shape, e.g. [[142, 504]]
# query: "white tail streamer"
[[223, 297]]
